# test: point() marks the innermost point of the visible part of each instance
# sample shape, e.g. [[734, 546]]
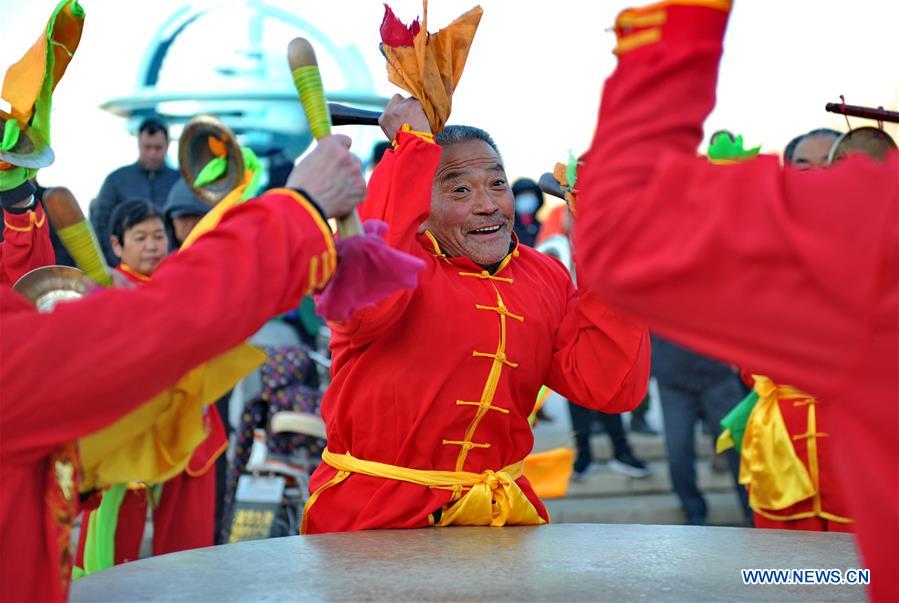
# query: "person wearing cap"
[[149, 178], [791, 273], [183, 210]]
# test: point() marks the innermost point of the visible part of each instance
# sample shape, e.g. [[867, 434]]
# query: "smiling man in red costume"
[[427, 413], [803, 290]]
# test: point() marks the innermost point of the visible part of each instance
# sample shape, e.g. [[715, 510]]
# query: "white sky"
[[533, 77]]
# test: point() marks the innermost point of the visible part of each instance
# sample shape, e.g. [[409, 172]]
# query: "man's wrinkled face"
[[811, 151], [472, 206], [152, 149], [144, 246]]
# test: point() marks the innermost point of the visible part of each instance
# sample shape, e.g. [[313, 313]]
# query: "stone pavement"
[[608, 497]]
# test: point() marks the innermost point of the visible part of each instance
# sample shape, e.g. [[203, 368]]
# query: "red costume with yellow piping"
[[787, 463], [184, 514], [100, 371], [792, 273], [26, 244], [427, 412]]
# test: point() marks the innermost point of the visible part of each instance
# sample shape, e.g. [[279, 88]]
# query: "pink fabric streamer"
[[368, 270]]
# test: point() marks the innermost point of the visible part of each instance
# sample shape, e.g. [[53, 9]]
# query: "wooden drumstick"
[[308, 82], [76, 234]]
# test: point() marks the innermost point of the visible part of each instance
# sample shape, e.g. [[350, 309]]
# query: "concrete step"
[[646, 447], [558, 434], [606, 483], [724, 510]]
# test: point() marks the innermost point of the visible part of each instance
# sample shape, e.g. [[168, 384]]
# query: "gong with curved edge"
[[869, 141], [48, 285], [559, 562]]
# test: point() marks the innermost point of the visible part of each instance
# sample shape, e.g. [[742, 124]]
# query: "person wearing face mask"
[[427, 412], [528, 201]]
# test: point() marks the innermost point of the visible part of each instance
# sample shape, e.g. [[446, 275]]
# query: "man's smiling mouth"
[[486, 230]]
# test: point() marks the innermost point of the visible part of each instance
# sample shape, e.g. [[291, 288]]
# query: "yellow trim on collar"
[[129, 270], [32, 223], [437, 251]]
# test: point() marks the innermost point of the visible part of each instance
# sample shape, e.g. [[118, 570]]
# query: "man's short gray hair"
[[456, 134]]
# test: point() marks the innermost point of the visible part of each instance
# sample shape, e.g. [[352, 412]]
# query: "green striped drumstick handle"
[[76, 234], [308, 82]]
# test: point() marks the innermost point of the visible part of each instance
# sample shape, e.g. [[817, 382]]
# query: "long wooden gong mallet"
[[76, 234], [308, 81]]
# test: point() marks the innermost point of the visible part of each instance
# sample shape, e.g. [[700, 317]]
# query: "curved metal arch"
[[348, 58]]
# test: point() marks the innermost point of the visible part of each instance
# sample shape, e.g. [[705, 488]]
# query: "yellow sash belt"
[[489, 498], [769, 465]]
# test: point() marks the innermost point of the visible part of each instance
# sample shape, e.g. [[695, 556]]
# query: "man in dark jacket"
[[149, 178]]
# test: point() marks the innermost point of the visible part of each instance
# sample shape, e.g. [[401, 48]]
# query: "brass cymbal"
[[872, 142], [194, 152], [31, 150], [48, 285]]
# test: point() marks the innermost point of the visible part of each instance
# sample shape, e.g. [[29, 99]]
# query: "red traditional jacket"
[[254, 265], [793, 273], [443, 377], [26, 245], [785, 488], [216, 442]]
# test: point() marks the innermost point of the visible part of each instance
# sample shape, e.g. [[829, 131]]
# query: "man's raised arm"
[[705, 254], [399, 194]]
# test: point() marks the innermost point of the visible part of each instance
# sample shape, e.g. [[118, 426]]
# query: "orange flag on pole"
[[428, 66]]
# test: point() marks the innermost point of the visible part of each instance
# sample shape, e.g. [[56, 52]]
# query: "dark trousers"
[[683, 405], [221, 469], [581, 422]]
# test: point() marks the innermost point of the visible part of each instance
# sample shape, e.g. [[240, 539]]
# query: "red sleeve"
[[26, 245], [67, 373], [704, 254], [600, 358], [399, 194]]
